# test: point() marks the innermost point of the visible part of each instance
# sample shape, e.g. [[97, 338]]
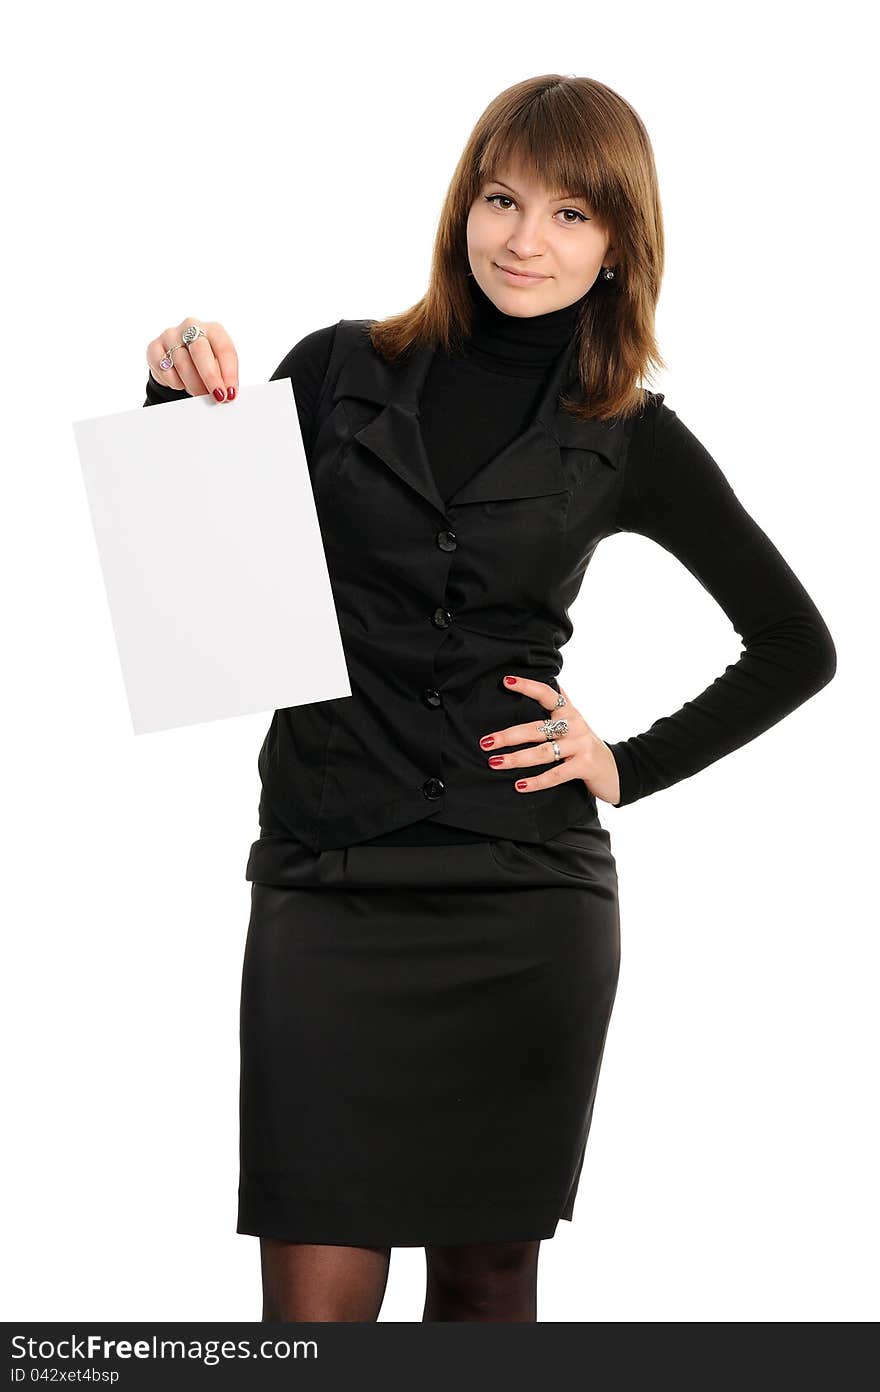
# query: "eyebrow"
[[557, 198]]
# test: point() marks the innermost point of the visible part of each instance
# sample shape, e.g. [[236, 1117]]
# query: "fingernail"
[[522, 784], [220, 393], [230, 394], [497, 760], [486, 742], [510, 681]]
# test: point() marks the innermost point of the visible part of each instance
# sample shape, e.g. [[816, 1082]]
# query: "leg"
[[312, 1281], [485, 1281]]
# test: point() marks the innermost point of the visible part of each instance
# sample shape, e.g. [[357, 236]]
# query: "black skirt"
[[422, 1029]]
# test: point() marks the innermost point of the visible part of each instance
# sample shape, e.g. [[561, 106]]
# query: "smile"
[[522, 277]]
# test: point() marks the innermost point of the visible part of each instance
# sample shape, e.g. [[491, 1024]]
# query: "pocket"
[[580, 854]]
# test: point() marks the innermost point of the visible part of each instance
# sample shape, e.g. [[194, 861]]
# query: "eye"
[[580, 217]]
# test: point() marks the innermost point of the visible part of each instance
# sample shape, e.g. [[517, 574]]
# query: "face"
[[557, 245]]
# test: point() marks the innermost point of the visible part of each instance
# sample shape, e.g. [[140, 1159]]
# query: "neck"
[[519, 346]]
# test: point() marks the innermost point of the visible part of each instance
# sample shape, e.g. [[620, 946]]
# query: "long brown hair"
[[576, 134]]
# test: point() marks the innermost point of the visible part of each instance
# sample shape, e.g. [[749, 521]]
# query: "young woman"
[[433, 948]]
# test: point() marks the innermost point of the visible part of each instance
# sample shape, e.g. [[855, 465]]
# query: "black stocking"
[[306, 1281], [487, 1281], [484, 1281]]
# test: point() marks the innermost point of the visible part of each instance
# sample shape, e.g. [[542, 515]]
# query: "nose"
[[525, 241], [524, 248]]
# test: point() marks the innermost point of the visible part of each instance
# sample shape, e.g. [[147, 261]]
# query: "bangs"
[[546, 150]]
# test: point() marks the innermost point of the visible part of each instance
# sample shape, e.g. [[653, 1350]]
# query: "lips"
[[523, 275]]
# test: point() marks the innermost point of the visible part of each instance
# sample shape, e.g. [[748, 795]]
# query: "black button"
[[447, 541], [433, 788], [441, 618], [431, 698]]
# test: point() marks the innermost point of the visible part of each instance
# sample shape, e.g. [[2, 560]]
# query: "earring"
[[608, 273]]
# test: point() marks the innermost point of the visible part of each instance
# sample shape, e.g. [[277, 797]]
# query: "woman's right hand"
[[208, 364]]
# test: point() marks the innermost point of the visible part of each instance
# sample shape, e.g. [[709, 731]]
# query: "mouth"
[[525, 277]]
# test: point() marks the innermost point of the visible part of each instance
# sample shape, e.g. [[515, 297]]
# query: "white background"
[[278, 170]]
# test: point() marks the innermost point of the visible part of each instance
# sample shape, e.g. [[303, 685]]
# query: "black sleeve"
[[157, 393], [676, 494], [305, 365]]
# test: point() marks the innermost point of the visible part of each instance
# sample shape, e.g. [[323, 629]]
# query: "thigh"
[[321, 1281], [482, 1263], [482, 1281]]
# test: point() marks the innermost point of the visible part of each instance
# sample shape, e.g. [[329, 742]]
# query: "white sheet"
[[212, 557]]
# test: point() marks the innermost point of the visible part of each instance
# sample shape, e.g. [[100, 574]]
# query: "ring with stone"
[[190, 334], [549, 728]]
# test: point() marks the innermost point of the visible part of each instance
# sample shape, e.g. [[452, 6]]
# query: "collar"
[[528, 467], [524, 346]]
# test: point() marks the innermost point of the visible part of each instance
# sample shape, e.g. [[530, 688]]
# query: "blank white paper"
[[212, 557]]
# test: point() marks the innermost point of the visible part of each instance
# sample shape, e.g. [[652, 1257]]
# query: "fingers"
[[183, 375], [208, 364], [563, 771], [213, 355], [227, 357], [540, 691], [522, 734], [538, 754], [155, 353], [576, 741]]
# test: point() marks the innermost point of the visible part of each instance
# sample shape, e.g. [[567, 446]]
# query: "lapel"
[[529, 466]]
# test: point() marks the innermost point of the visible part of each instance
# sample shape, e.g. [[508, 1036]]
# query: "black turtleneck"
[[517, 345], [475, 402]]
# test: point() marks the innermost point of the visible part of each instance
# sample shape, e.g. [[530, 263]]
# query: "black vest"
[[436, 602]]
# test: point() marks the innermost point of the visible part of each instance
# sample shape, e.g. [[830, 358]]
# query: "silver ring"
[[557, 752], [561, 701], [190, 334], [549, 728]]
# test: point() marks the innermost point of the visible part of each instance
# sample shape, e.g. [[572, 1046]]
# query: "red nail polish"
[[510, 681], [496, 761], [486, 742], [522, 783], [230, 395], [220, 393]]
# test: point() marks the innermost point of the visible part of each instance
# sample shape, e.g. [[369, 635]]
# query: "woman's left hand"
[[584, 755]]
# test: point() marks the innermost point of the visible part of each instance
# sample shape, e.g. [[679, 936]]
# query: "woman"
[[433, 948]]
